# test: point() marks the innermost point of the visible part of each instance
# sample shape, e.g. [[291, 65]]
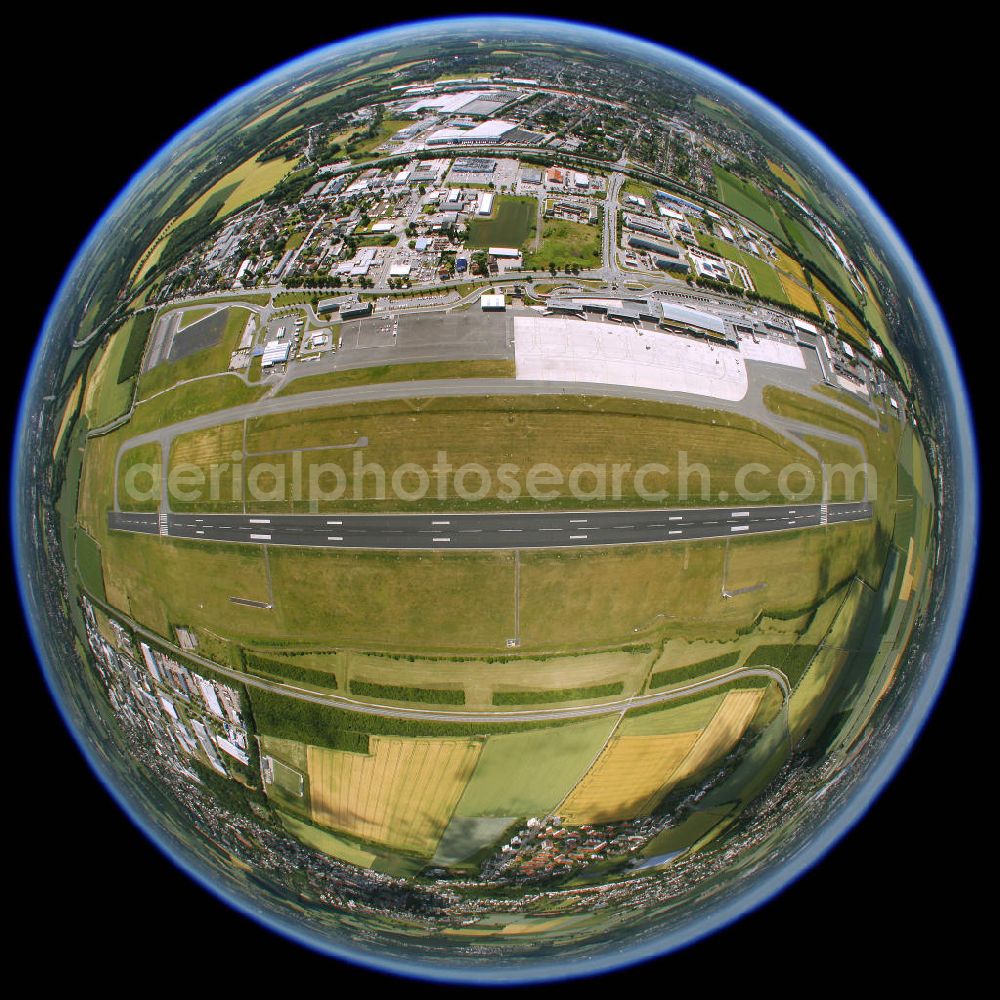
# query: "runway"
[[501, 530]]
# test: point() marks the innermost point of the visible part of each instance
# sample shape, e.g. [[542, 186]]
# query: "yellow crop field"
[[627, 779], [249, 180], [798, 295], [786, 178], [721, 734], [402, 793], [68, 410]]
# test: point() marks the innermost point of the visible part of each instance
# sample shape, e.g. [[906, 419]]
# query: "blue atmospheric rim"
[[762, 888]]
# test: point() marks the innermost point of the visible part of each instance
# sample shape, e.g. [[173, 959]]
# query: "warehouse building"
[[644, 225], [474, 165], [483, 134], [686, 206], [654, 246]]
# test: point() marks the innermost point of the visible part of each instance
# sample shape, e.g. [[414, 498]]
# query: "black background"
[[101, 96]]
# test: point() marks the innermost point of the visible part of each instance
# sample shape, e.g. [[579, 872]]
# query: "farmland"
[[402, 793], [524, 774], [627, 779]]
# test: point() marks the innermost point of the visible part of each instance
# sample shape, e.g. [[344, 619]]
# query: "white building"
[[484, 133]]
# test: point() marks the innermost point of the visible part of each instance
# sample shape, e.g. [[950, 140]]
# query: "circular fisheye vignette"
[[965, 511]]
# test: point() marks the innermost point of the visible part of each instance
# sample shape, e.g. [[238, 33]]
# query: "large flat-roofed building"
[[467, 102], [474, 165], [714, 269], [686, 206], [672, 264], [686, 316], [356, 310], [485, 203], [654, 246], [276, 352], [492, 303], [504, 252], [644, 225], [483, 134]]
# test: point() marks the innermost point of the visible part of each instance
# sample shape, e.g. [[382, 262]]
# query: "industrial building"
[[492, 303], [686, 206], [643, 225], [485, 203], [654, 246], [485, 133], [356, 310], [670, 264], [275, 352], [708, 268], [474, 165], [481, 103]]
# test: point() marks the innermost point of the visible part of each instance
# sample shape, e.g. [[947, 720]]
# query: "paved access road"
[[504, 530]]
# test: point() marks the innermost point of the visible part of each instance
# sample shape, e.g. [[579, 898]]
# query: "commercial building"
[[483, 134], [474, 165], [485, 203], [686, 206], [504, 252], [492, 303], [672, 264], [643, 225], [653, 246], [356, 310], [275, 352], [714, 269]]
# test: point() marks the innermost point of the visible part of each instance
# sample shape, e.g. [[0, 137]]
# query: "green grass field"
[[379, 374], [139, 489], [105, 397], [748, 200], [209, 361], [528, 774], [565, 431], [765, 278], [511, 225], [565, 243]]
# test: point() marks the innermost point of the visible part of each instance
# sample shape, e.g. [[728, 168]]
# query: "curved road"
[[349, 704]]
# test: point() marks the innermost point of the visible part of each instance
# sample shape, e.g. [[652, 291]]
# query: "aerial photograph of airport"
[[494, 496]]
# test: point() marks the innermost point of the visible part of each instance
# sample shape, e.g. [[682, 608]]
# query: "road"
[[347, 703], [501, 530]]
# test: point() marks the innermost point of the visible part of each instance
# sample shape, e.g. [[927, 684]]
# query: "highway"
[[502, 530]]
